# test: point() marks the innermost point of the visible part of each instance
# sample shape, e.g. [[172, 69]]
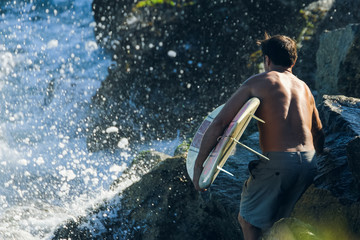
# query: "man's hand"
[[197, 173]]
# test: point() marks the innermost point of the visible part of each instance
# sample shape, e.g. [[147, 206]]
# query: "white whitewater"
[[50, 67]]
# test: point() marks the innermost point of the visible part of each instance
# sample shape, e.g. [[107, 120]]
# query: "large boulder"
[[330, 209], [353, 149], [337, 58], [291, 229], [340, 116], [177, 60], [321, 16], [333, 203], [163, 204]]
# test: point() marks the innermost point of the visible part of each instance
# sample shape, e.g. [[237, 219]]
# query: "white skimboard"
[[221, 152]]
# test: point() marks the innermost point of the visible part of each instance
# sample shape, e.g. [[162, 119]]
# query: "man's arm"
[[317, 132], [217, 127], [208, 142]]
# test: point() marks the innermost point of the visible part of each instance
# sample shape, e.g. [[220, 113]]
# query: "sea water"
[[50, 67]]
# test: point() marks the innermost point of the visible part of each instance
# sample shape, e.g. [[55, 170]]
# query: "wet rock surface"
[[177, 60], [162, 205]]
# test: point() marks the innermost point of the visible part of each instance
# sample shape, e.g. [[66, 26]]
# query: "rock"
[[340, 114], [183, 148], [331, 218], [332, 205], [337, 58], [141, 165], [353, 149], [291, 229], [321, 16], [162, 205], [340, 117], [176, 61]]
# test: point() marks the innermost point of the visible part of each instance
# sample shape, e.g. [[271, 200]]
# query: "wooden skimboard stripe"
[[217, 158]]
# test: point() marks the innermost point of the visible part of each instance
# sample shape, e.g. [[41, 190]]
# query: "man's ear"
[[267, 60]]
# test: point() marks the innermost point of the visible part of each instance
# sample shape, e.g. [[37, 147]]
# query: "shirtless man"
[[289, 138]]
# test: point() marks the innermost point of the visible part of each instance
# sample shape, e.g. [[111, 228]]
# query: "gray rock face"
[[340, 113], [353, 149], [321, 16], [337, 59], [339, 116]]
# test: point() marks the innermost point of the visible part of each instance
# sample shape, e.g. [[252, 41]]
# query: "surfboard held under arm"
[[226, 144]]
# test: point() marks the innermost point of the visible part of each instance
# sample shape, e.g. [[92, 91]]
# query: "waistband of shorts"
[[286, 155], [290, 153]]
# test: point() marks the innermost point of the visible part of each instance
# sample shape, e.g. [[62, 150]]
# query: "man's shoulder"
[[262, 78], [259, 76]]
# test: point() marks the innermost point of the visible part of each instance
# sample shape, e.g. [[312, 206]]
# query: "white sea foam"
[[53, 43], [171, 53], [49, 70], [112, 129], [7, 64], [45, 96], [91, 46], [123, 143]]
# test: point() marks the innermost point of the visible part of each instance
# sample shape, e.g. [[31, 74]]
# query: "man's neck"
[[279, 68]]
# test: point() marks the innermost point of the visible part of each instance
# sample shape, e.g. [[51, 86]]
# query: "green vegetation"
[[312, 18], [183, 148], [152, 3], [254, 58]]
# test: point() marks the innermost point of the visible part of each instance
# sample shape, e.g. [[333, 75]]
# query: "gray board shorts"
[[274, 187]]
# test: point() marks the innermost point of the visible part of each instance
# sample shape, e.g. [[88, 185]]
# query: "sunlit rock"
[[321, 16], [291, 229], [338, 71], [341, 115]]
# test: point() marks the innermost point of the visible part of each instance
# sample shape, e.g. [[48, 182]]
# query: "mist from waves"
[[50, 67]]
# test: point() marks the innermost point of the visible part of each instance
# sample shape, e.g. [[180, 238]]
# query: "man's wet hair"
[[280, 49]]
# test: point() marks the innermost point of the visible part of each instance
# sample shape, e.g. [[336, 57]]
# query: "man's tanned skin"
[[288, 108]]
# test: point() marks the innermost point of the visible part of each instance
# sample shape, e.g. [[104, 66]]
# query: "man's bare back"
[[292, 128], [287, 108]]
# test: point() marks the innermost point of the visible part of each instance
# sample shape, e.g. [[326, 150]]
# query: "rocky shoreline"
[[174, 63], [162, 204]]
